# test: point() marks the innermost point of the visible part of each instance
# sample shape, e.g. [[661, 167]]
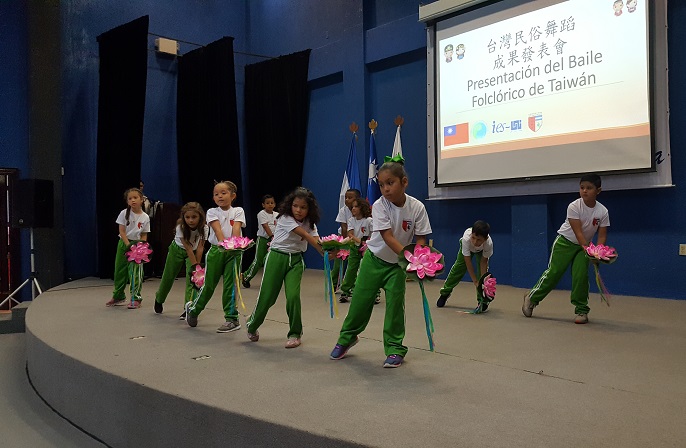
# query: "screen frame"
[[657, 175]]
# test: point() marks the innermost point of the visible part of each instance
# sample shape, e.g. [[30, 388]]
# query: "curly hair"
[[285, 207]]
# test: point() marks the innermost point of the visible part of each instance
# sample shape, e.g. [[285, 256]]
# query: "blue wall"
[[14, 93], [195, 22], [368, 61]]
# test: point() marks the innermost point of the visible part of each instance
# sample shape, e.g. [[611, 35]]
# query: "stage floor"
[[134, 378]]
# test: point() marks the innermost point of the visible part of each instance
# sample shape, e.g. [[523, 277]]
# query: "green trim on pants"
[[374, 274], [354, 260], [563, 254], [280, 268], [219, 263], [458, 271], [176, 257], [261, 249]]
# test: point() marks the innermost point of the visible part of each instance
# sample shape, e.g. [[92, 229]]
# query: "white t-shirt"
[[194, 239], [344, 214], [360, 227], [468, 247], [265, 218], [285, 240], [138, 224], [407, 221], [591, 218], [226, 219]]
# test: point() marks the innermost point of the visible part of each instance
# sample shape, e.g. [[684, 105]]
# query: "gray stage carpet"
[[136, 379]]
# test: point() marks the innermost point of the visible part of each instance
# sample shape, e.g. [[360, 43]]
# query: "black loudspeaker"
[[32, 203]]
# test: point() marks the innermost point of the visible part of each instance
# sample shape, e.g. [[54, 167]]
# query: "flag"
[[456, 134], [397, 146], [351, 176], [373, 192]]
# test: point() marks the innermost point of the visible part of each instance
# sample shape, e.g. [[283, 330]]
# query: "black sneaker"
[[344, 298], [158, 307], [441, 300], [182, 316], [244, 282], [191, 320]]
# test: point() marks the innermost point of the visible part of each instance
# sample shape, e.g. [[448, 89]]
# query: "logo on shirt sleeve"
[[407, 225]]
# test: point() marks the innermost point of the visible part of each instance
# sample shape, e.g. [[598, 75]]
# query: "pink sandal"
[[293, 343], [134, 305]]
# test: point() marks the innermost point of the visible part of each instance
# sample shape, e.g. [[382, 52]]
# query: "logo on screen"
[[480, 129], [535, 121]]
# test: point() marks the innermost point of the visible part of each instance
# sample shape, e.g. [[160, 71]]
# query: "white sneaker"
[[581, 319], [528, 306]]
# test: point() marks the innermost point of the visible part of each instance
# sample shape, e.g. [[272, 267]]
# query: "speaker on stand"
[[32, 207]]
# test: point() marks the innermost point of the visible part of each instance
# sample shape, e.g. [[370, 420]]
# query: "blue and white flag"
[[397, 145], [351, 176], [373, 192]]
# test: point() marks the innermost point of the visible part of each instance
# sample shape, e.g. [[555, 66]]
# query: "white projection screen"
[[524, 95]]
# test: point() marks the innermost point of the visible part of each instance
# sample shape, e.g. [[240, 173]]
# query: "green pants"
[[458, 271], [176, 258], [123, 272], [375, 274], [219, 263], [351, 271], [280, 268], [261, 249], [563, 254]]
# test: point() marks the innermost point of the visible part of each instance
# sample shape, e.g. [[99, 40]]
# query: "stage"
[[132, 378]]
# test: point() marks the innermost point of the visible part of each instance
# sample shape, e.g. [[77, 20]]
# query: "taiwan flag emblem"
[[407, 225], [456, 134], [535, 121]]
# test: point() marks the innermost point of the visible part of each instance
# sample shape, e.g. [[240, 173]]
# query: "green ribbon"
[[398, 158]]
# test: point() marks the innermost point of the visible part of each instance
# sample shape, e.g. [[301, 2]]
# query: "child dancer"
[[224, 221], [475, 243], [344, 214], [265, 232], [359, 230], [134, 226], [585, 216], [188, 246], [397, 218], [296, 226]]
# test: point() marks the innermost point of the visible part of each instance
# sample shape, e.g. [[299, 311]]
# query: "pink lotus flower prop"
[[343, 254], [606, 255], [423, 261], [333, 237], [236, 243], [601, 252], [489, 287], [334, 242], [139, 253], [363, 247], [198, 276]]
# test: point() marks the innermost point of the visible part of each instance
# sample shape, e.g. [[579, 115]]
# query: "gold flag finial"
[[353, 127], [399, 120], [373, 125]]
